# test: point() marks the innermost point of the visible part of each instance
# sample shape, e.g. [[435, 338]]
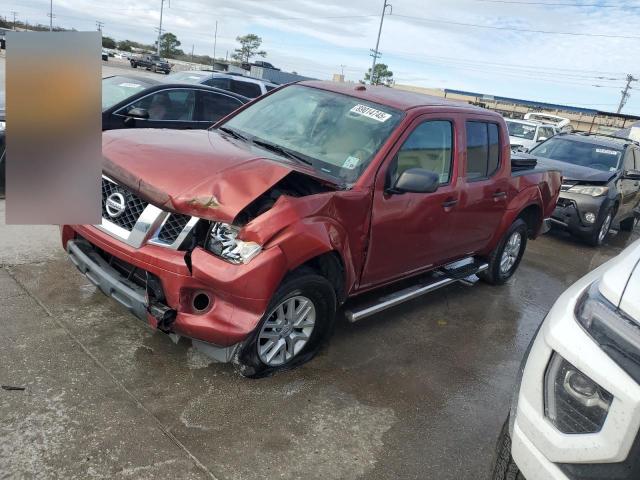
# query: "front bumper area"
[[539, 449], [571, 209], [229, 319]]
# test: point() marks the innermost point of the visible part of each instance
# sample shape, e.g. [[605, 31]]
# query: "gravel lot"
[[417, 392]]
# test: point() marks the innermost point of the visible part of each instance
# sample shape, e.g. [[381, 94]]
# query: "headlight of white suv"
[[2, 126], [223, 242], [589, 190]]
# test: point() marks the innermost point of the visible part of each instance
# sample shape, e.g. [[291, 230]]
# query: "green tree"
[[249, 47], [169, 44], [108, 42], [382, 75]]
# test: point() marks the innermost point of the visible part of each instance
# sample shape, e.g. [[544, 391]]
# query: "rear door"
[[484, 188], [212, 106], [410, 231]]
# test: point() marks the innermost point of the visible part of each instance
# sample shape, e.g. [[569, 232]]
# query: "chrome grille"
[[134, 206], [173, 227]]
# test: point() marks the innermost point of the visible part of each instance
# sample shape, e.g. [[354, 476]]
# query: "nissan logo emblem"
[[115, 205]]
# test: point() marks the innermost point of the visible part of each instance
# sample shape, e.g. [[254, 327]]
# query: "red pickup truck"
[[247, 237]]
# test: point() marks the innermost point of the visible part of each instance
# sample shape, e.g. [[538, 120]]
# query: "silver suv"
[[246, 86]]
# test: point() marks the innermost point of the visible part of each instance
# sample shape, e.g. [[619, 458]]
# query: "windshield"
[[337, 134], [580, 153], [186, 77], [115, 89], [521, 130]]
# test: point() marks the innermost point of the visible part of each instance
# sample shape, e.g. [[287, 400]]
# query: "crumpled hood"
[[576, 172], [194, 172]]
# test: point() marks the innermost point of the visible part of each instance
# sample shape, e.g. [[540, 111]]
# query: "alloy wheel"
[[511, 252], [286, 330]]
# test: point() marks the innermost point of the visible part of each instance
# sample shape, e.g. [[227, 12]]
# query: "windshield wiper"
[[281, 151], [233, 133]]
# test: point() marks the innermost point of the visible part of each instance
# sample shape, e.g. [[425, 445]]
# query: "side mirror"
[[416, 180], [141, 113], [631, 174]]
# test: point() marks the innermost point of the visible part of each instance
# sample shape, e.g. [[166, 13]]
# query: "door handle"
[[449, 203], [500, 195]]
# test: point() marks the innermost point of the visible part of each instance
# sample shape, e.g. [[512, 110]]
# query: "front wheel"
[[133, 65], [506, 257], [601, 231], [505, 468], [298, 320], [628, 224]]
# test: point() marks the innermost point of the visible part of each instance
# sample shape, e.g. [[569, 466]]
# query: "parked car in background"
[[138, 102], [576, 409], [248, 236], [105, 55], [245, 86], [601, 183], [562, 124], [262, 64], [526, 134], [151, 62], [134, 102]]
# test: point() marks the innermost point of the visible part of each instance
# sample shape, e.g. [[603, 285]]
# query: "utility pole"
[[342, 70], [99, 24], [192, 45], [160, 27], [215, 43], [625, 93], [376, 53], [14, 19], [50, 16]]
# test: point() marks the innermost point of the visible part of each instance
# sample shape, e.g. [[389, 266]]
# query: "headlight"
[[2, 126], [573, 402], [589, 190], [222, 241]]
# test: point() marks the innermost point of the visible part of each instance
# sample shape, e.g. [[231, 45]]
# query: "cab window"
[[429, 147], [483, 149]]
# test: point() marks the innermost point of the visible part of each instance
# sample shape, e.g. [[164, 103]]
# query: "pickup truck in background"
[[151, 62], [247, 237]]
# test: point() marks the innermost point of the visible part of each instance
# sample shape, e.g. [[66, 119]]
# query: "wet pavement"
[[417, 392]]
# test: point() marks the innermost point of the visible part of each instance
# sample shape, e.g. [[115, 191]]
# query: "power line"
[[99, 25], [513, 29], [561, 4]]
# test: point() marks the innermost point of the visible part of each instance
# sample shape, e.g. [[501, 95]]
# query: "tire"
[[505, 468], [496, 274], [628, 224], [252, 359], [133, 65], [601, 231]]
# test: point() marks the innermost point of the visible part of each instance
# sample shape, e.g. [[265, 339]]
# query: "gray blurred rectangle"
[[53, 127]]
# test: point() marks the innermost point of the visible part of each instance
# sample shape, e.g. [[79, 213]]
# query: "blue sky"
[[429, 43]]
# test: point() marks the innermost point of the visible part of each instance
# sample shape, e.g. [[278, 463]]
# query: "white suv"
[[526, 134], [577, 412]]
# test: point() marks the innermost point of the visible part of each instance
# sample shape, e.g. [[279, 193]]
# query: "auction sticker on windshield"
[[606, 152], [371, 113]]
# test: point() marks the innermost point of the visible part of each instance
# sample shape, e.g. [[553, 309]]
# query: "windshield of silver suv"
[[580, 152], [337, 134]]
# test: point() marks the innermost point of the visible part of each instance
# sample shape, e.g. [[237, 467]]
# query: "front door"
[[410, 231], [629, 187], [168, 108]]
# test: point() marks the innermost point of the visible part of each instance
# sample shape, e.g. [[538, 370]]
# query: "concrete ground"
[[417, 392]]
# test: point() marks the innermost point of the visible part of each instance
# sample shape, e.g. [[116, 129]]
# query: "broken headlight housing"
[[222, 240], [573, 402]]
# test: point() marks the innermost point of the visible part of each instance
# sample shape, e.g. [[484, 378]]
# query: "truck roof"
[[392, 97]]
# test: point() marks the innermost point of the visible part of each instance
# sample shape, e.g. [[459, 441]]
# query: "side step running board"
[[440, 279]]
